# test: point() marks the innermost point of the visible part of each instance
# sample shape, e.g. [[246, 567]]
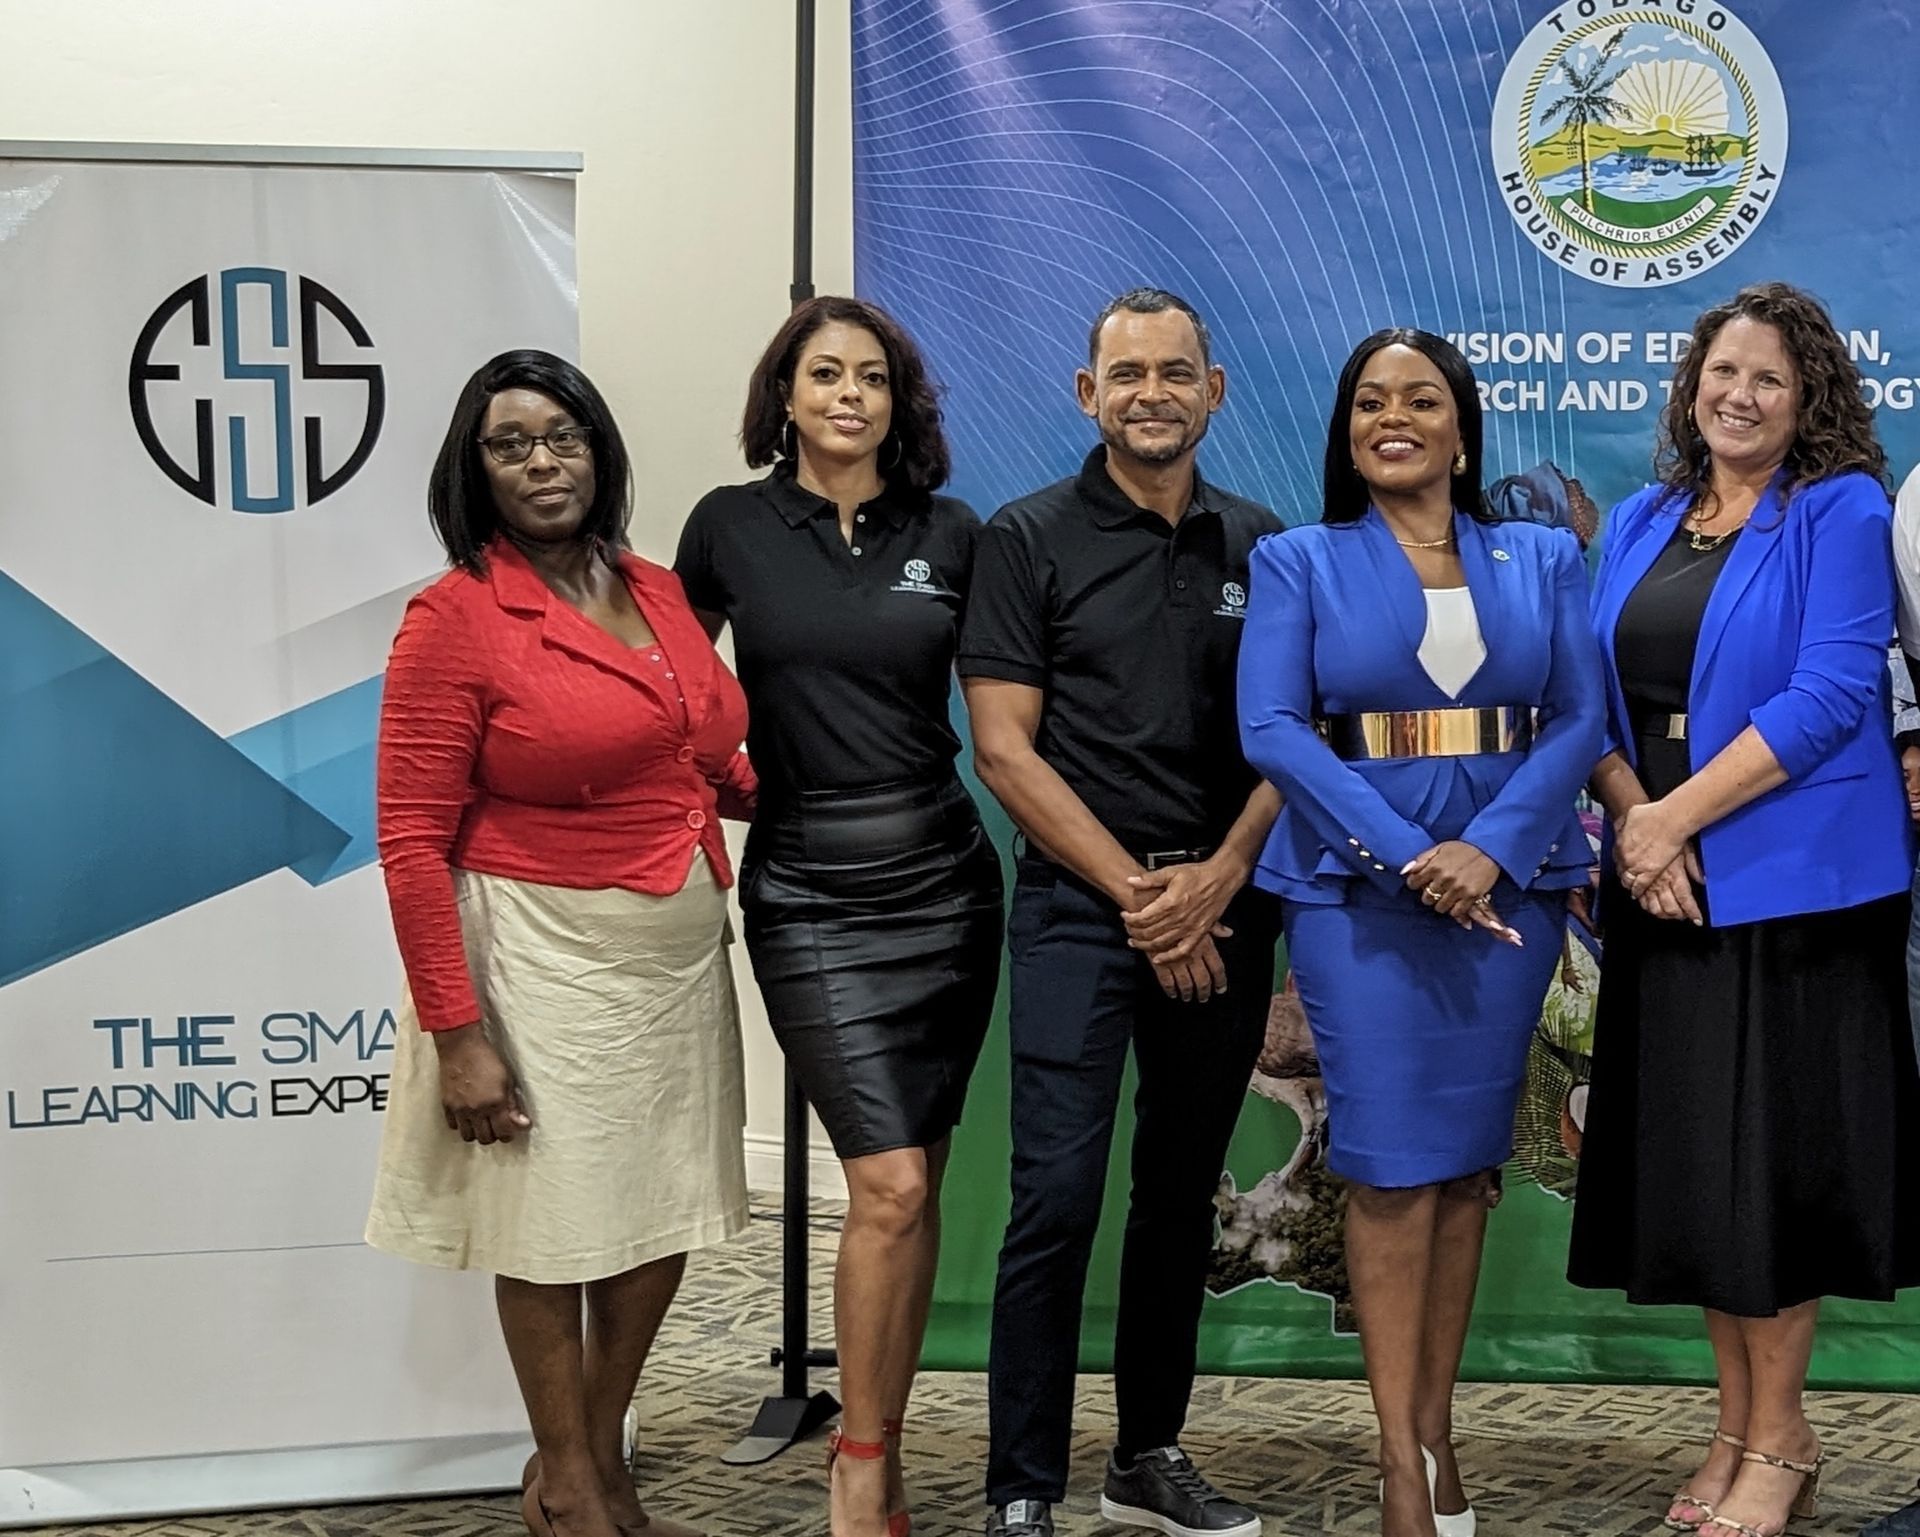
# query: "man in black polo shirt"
[[1098, 656]]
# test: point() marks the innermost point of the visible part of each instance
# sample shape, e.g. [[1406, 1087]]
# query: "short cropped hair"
[[1149, 301]]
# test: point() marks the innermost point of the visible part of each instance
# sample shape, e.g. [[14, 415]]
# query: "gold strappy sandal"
[[1676, 1522], [1805, 1503]]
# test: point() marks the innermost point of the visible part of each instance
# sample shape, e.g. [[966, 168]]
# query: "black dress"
[[1751, 1136]]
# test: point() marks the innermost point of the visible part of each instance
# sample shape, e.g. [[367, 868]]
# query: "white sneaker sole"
[[1130, 1515]]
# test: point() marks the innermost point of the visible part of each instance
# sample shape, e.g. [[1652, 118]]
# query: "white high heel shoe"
[[1459, 1525]]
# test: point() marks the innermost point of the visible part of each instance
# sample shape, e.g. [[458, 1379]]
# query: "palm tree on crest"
[[1587, 104]]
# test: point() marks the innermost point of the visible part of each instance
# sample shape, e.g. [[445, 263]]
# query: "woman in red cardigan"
[[558, 742]]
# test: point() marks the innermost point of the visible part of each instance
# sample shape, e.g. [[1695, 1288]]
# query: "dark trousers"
[[1079, 997]]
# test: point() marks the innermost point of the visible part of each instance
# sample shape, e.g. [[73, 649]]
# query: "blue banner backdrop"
[[1562, 188]]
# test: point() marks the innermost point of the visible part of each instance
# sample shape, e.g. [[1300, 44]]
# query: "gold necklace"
[[1704, 544], [1424, 544]]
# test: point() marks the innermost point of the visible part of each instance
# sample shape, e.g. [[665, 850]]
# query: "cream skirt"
[[616, 1012]]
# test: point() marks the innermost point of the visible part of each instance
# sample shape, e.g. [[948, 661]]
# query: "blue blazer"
[[1334, 624], [1794, 643]]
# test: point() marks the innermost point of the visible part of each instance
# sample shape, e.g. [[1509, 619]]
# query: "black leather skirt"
[[874, 924]]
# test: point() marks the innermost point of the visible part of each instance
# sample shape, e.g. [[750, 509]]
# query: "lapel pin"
[[1501, 555]]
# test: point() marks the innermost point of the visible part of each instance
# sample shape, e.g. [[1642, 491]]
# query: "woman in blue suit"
[[1422, 685], [1750, 1142]]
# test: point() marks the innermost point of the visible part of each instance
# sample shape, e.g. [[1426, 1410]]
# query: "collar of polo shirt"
[[1113, 508], [797, 504]]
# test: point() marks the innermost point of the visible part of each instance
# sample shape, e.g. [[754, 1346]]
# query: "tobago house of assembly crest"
[[1639, 142]]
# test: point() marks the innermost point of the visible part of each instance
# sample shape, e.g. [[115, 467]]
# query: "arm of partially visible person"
[[694, 564], [1516, 827], [1906, 570], [431, 710], [1848, 614], [737, 790], [1901, 670]]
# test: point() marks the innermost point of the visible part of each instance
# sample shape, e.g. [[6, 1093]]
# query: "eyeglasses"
[[517, 447]]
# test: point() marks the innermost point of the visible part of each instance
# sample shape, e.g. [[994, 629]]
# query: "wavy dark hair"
[[460, 497], [914, 457], [1834, 432], [1344, 494]]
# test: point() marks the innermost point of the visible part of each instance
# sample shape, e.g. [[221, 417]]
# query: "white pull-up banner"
[[222, 386]]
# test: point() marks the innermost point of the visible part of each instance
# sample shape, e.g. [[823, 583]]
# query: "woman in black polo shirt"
[[871, 893]]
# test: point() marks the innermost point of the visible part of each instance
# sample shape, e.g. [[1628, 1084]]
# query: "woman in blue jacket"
[[1750, 1143], [1422, 685]]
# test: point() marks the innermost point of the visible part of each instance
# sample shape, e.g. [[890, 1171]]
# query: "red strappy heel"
[[899, 1523], [839, 1445]]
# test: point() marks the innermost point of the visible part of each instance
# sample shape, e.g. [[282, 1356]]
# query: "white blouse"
[[1452, 648]]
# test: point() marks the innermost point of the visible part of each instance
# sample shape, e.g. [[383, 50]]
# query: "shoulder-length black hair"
[[915, 456], [459, 497], [1344, 494], [1834, 432]]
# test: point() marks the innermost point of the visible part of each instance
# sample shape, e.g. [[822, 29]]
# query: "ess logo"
[[916, 576], [1233, 602], [247, 377]]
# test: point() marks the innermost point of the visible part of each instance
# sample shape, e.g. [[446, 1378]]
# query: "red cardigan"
[[518, 738]]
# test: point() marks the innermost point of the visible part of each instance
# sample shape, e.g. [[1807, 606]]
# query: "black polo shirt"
[[845, 649], [1132, 626]]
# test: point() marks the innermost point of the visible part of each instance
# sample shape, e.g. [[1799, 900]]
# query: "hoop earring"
[[1460, 462], [790, 440], [899, 452]]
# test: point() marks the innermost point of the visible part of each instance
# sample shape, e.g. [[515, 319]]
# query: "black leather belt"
[[1160, 859], [1153, 859], [1672, 727]]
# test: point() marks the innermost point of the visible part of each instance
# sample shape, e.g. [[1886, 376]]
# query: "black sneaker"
[[1021, 1518], [1164, 1492]]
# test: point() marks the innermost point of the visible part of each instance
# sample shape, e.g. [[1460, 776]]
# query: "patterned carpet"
[[1585, 1462]]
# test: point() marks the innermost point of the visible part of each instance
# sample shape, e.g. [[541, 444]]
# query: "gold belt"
[[1429, 733]]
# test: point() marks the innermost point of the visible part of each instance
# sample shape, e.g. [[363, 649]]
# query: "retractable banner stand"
[[1560, 187], [222, 386]]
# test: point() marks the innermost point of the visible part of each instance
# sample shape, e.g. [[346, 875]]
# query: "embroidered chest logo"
[[1233, 602], [916, 576]]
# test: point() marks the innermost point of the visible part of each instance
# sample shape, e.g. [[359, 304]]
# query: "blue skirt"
[[1422, 1028]]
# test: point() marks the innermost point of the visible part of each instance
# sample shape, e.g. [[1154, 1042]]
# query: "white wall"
[[684, 112]]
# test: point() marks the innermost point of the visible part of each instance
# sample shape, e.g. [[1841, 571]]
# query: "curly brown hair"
[[915, 454], [1835, 430]]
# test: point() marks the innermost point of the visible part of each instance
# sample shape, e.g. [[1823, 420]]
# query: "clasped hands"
[[1454, 879], [1177, 920], [1657, 861]]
